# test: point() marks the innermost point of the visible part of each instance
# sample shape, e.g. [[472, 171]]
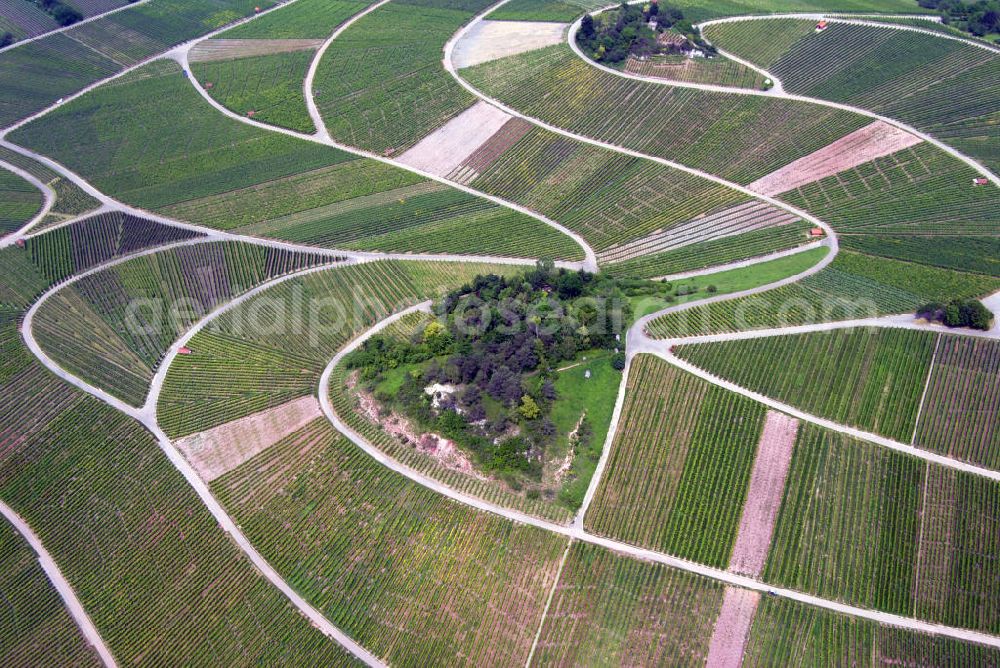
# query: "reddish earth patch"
[[864, 145], [767, 484], [732, 628], [219, 450]]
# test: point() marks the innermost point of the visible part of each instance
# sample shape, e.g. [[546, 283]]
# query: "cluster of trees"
[[958, 313], [613, 36], [498, 341], [62, 13], [980, 18], [6, 39]]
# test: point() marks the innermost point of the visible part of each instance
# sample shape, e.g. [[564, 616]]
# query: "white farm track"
[[637, 342]]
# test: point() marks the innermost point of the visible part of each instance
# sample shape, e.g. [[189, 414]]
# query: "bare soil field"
[[219, 450], [443, 150], [732, 628], [229, 49], [767, 485], [490, 40], [484, 156], [875, 140]]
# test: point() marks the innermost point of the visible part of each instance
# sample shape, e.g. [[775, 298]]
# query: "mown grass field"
[[701, 129], [38, 629], [680, 465], [853, 286], [870, 378], [381, 556], [946, 87]]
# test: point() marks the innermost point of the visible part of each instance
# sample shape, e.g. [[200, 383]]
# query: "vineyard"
[[945, 87], [785, 632], [19, 201], [231, 176], [919, 190], [544, 10], [112, 328], [252, 359], [960, 416], [848, 527], [380, 556], [870, 378], [606, 197], [381, 86], [268, 87], [679, 466], [70, 199], [872, 527], [719, 71], [627, 612], [701, 129], [37, 629], [24, 19], [304, 19], [853, 286], [980, 255]]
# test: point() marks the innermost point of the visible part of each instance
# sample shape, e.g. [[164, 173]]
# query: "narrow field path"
[[48, 200], [61, 585]]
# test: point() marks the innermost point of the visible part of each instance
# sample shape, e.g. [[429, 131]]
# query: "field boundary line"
[[48, 201], [927, 384], [62, 586], [971, 162], [548, 603]]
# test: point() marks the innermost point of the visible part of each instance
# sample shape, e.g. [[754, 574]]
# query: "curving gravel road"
[[48, 199], [61, 585]]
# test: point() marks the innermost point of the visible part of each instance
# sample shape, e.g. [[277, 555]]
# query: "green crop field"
[[606, 197], [919, 190], [113, 327], [679, 466], [269, 87], [720, 71], [249, 360], [877, 528], [37, 628], [303, 19], [980, 255], [711, 253], [701, 129], [381, 85], [19, 201], [960, 412], [945, 87], [870, 378], [787, 633], [380, 556], [539, 10], [849, 523], [853, 286], [609, 609], [157, 576], [231, 176]]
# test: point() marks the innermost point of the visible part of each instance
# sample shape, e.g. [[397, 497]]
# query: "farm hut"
[[816, 232], [821, 26], [20, 243], [183, 350], [256, 10], [980, 181]]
